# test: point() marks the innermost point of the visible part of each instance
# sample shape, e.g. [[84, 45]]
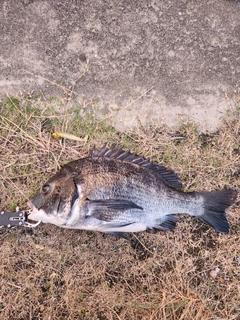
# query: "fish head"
[[54, 202]]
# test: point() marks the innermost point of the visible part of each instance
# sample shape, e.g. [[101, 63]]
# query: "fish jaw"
[[41, 215]]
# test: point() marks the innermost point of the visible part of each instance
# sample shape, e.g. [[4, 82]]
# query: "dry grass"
[[52, 273]]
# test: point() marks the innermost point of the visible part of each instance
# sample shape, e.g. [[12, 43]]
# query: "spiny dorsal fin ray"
[[169, 177]]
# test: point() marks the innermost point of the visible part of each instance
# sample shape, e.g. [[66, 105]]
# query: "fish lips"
[[37, 201], [34, 213]]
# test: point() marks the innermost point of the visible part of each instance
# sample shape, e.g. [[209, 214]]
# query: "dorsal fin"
[[169, 177]]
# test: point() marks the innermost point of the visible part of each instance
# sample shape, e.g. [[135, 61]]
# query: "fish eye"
[[46, 189]]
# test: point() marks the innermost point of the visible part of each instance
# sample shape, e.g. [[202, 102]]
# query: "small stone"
[[41, 307], [220, 280], [213, 274], [217, 269]]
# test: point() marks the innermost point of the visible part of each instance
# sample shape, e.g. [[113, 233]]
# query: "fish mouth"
[[31, 205], [33, 210]]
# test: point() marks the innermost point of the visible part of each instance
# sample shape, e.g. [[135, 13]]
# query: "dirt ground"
[[53, 273], [156, 60]]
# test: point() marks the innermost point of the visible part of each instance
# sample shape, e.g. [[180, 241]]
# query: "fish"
[[114, 191]]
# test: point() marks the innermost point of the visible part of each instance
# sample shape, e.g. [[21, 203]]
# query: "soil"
[[156, 60]]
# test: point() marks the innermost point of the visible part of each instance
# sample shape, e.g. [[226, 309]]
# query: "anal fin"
[[168, 224]]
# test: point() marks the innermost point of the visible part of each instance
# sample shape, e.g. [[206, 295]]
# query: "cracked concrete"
[[187, 52]]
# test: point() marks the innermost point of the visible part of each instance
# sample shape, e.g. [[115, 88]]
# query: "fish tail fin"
[[214, 205]]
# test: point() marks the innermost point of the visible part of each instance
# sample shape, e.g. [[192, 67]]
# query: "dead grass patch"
[[52, 273]]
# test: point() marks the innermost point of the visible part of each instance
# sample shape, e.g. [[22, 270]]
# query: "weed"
[[53, 273]]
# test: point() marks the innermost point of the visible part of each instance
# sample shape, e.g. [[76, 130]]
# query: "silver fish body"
[[113, 191]]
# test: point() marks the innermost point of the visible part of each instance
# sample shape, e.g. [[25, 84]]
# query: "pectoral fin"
[[109, 209]]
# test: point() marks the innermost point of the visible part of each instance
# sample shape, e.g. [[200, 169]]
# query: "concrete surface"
[[186, 51]]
